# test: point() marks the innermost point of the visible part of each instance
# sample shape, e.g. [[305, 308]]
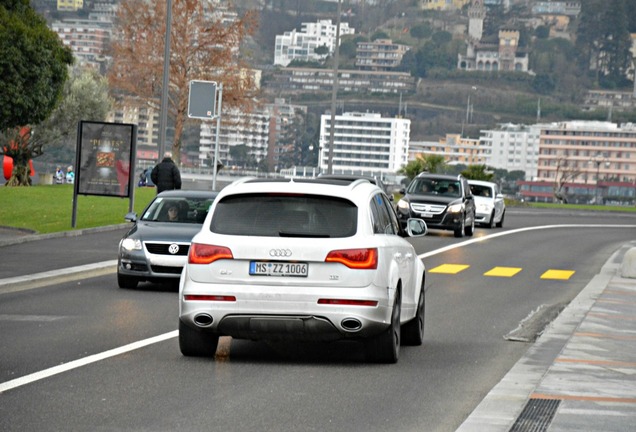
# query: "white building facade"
[[364, 144], [251, 130], [512, 147], [301, 45]]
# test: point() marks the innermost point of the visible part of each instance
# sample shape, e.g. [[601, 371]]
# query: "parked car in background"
[[443, 201], [156, 247], [489, 202], [303, 259]]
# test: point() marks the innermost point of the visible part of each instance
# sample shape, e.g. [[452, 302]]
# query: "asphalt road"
[[479, 291]]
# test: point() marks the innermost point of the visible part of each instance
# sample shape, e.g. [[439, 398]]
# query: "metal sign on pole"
[[202, 100], [218, 132]]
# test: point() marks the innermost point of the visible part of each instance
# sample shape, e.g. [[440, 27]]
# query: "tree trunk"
[[20, 174]]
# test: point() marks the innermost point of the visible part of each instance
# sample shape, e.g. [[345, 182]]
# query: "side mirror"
[[416, 227], [131, 217]]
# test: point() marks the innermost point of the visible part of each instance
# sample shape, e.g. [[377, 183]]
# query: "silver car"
[[156, 247], [489, 203], [318, 260]]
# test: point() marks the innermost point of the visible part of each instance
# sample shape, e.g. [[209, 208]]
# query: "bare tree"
[[205, 45], [564, 173]]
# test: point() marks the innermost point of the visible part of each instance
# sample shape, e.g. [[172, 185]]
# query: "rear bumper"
[[284, 312]]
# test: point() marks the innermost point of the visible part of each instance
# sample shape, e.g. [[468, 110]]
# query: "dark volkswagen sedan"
[[156, 247]]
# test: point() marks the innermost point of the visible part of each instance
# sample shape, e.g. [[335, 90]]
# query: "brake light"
[[194, 297], [206, 254], [348, 302], [363, 259]]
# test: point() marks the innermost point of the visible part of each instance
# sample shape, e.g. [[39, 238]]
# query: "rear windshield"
[[282, 215]]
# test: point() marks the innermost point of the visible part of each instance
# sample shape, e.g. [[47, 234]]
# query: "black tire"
[[413, 331], [491, 224], [385, 348], [459, 232], [127, 281], [500, 223], [470, 230], [196, 343]]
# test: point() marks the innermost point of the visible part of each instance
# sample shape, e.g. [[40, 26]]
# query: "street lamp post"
[[598, 160], [163, 118]]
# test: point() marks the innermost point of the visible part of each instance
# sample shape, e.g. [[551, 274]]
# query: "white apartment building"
[[364, 143], [237, 128], [512, 147], [302, 44]]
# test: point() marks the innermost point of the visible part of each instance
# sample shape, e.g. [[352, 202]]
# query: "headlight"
[[131, 244], [403, 204], [455, 208], [484, 208]]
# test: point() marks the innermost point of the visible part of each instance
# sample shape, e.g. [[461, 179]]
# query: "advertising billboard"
[[105, 158]]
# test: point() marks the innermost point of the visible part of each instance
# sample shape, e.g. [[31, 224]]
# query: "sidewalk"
[[580, 375]]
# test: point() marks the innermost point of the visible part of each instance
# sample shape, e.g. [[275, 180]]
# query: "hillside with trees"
[[591, 53]]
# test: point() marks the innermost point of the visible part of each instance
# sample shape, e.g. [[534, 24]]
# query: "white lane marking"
[[503, 233], [27, 379], [18, 382], [36, 318]]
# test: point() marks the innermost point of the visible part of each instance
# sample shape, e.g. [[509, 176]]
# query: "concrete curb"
[[18, 239], [39, 280]]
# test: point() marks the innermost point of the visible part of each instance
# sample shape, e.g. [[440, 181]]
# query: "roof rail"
[[357, 182], [242, 180]]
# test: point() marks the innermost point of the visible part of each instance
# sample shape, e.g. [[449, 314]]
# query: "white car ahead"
[[317, 260], [490, 207]]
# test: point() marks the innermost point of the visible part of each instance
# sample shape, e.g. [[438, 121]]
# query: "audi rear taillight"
[[206, 254], [362, 259]]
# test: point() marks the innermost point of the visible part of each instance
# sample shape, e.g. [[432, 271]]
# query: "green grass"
[[49, 208], [630, 209]]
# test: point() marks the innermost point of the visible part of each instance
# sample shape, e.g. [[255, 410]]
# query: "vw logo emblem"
[[173, 248], [280, 253]]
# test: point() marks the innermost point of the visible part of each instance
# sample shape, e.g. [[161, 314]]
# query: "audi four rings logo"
[[280, 253], [173, 248]]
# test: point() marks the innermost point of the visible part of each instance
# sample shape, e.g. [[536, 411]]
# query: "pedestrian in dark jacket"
[[166, 175]]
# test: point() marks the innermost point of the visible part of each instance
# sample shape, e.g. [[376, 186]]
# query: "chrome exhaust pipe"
[[351, 324], [203, 320]]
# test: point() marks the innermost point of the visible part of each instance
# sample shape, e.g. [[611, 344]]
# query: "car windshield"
[[282, 215], [426, 186], [178, 210], [482, 191]]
